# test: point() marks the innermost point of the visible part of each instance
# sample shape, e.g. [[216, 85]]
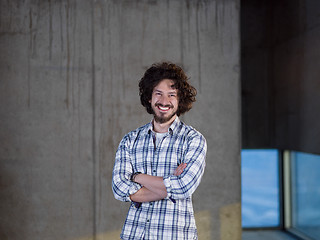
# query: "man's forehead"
[[173, 89]]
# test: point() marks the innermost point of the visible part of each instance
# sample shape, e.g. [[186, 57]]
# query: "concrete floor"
[[266, 235]]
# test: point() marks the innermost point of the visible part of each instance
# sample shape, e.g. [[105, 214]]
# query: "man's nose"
[[164, 100]]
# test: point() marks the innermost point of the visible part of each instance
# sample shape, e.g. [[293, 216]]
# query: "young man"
[[159, 165]]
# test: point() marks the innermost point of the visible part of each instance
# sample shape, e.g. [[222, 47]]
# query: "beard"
[[161, 118]]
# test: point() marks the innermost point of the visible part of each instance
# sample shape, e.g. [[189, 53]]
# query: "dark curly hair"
[[166, 70]]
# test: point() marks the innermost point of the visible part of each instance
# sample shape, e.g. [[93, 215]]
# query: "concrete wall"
[[68, 92], [280, 80]]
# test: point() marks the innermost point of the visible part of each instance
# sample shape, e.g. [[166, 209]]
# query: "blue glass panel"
[[260, 188], [306, 193]]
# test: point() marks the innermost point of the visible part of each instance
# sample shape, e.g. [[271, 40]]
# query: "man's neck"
[[163, 127]]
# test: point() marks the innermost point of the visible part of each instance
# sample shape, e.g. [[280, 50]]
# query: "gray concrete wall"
[[68, 92], [280, 81]]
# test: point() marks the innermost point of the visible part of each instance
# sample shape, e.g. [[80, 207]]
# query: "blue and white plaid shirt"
[[172, 217]]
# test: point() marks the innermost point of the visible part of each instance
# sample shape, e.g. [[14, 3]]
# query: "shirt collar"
[[172, 127]]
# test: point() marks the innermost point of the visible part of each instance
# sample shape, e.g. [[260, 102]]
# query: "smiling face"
[[164, 101]]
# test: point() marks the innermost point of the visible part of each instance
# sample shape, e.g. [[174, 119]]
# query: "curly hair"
[[166, 70]]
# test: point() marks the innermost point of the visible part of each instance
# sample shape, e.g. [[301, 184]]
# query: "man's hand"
[[180, 169]]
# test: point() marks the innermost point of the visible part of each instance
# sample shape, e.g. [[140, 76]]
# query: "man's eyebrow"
[[171, 91]]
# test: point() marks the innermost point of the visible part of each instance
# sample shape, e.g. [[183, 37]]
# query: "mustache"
[[161, 105]]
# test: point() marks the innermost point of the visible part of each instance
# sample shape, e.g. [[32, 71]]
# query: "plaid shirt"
[[172, 217]]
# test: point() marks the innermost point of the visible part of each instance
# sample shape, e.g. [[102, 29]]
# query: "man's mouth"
[[163, 108]]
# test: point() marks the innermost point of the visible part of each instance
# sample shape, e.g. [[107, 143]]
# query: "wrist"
[[134, 175]]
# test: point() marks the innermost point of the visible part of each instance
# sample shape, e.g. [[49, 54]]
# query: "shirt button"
[[154, 170], [148, 220]]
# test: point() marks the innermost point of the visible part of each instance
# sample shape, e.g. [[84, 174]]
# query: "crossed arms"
[[145, 188], [153, 187]]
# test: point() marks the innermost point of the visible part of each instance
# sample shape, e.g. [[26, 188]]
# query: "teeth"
[[163, 108]]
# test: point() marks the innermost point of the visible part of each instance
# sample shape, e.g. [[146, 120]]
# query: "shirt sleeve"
[[122, 186], [184, 185]]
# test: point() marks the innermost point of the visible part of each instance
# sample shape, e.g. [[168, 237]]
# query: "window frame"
[[287, 193], [285, 175]]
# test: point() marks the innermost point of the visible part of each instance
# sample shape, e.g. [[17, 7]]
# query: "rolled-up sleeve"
[[122, 186], [184, 185]]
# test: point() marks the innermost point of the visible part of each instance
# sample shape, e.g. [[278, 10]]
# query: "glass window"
[[306, 193], [260, 188]]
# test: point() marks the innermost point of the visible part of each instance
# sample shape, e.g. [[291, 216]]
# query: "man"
[[159, 165]]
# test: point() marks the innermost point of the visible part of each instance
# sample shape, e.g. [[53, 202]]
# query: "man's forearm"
[[152, 183], [153, 187], [145, 195]]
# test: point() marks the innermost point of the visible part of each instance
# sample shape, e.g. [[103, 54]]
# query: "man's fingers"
[[180, 169], [182, 166]]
